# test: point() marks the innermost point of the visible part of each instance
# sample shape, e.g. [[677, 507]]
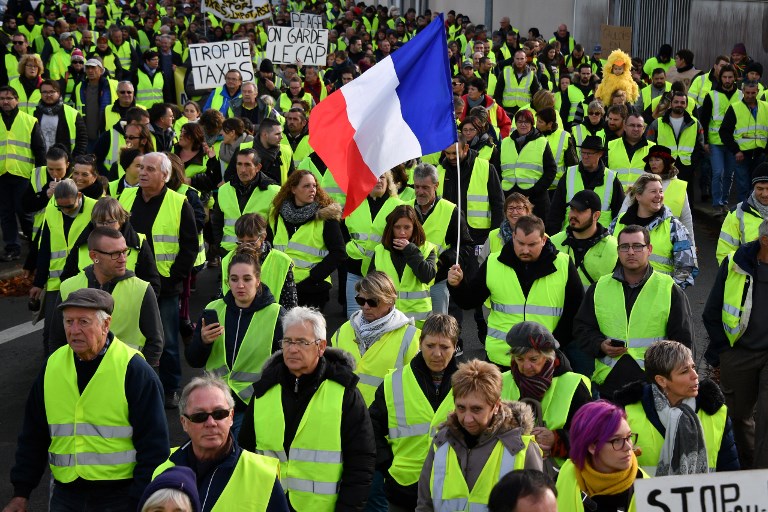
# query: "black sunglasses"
[[371, 302], [202, 417]]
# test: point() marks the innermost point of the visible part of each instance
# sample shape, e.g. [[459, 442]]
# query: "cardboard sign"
[[211, 61], [613, 37], [303, 20], [286, 45], [238, 11], [737, 491]]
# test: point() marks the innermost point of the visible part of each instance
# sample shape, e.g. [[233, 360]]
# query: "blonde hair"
[[638, 187], [379, 286], [480, 377], [30, 57]]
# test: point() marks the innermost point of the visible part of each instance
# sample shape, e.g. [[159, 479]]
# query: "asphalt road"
[[21, 355]]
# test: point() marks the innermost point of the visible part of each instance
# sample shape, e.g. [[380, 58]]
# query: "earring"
[[96, 261]]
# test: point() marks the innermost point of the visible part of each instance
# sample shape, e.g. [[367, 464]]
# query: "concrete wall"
[[545, 15]]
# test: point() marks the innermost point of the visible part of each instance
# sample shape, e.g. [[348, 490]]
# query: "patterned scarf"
[[367, 333], [684, 451], [293, 214], [534, 387], [758, 206], [505, 231]]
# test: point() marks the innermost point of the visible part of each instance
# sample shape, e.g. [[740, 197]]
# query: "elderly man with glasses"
[[307, 389]]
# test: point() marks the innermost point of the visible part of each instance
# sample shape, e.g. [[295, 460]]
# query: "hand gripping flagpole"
[[458, 206]]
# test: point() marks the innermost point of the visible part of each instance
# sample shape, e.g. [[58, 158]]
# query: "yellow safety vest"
[[149, 90], [650, 440], [647, 321], [720, 104], [544, 303], [750, 132], [259, 202], [302, 151], [516, 92], [574, 183], [558, 141], [699, 88], [662, 259], [738, 229], [15, 149], [478, 204], [128, 296], [569, 496], [735, 314], [675, 195], [627, 170], [91, 435], [682, 148], [556, 402], [274, 270], [646, 92], [285, 101], [449, 488], [365, 232], [306, 246], [436, 225], [600, 259], [123, 54], [392, 351], [254, 351], [580, 133], [61, 245], [165, 228], [412, 295], [576, 98], [12, 67], [26, 104], [523, 169], [286, 156], [251, 470], [310, 472], [411, 422]]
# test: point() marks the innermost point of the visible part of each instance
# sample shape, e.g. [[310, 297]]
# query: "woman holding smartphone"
[[237, 334]]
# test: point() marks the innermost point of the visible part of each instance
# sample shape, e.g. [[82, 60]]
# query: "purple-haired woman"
[[601, 471]]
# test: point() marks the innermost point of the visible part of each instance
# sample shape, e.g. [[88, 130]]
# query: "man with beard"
[[60, 123], [276, 158], [592, 250], [582, 91], [614, 122], [297, 134], [591, 175], [678, 130]]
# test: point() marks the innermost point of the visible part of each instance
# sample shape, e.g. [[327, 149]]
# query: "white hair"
[[303, 315], [165, 163], [208, 380], [161, 497]]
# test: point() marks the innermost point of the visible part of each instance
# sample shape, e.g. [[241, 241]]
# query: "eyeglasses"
[[114, 255], [300, 343], [202, 417], [588, 153], [618, 444], [132, 137], [373, 303], [66, 206], [634, 247], [516, 208], [30, 66], [106, 223], [19, 42], [456, 83], [124, 92], [595, 113], [48, 93]]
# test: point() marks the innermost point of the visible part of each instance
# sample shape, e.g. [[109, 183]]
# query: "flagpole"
[[458, 200]]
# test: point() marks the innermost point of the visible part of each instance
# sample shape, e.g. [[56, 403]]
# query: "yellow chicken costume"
[[617, 76]]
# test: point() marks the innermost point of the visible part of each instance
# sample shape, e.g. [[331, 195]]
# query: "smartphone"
[[210, 316], [613, 343]]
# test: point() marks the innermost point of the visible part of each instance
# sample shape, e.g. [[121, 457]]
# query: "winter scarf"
[[684, 451]]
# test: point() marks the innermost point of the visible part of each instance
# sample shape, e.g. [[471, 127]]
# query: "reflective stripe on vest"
[[61, 244], [647, 321], [15, 149], [365, 232], [509, 306], [682, 148], [413, 297], [312, 471], [392, 351], [258, 202], [618, 160], [557, 140], [90, 432], [522, 169], [662, 257], [720, 104], [252, 353], [149, 90], [574, 183], [436, 225], [117, 141], [737, 301], [516, 93], [750, 132]]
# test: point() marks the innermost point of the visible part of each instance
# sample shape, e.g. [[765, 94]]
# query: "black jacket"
[[472, 292], [64, 137], [557, 209], [710, 399], [149, 321], [405, 497], [538, 192], [237, 321], [212, 478], [452, 189], [270, 165], [144, 394], [357, 443]]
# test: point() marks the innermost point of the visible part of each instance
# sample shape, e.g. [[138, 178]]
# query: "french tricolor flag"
[[401, 108]]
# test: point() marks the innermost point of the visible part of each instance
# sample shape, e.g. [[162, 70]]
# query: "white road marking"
[[18, 331]]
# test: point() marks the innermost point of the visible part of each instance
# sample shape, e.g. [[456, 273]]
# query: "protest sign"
[[731, 491], [211, 61], [238, 11], [613, 37], [303, 20], [286, 45]]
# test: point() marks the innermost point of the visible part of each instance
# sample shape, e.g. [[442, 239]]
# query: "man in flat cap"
[[95, 414]]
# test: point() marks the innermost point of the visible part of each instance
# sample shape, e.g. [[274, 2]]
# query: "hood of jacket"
[[331, 212], [513, 420], [710, 398], [543, 266]]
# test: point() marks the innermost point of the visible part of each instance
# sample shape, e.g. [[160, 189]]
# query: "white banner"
[[238, 11], [303, 20], [731, 491], [286, 45], [211, 61]]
